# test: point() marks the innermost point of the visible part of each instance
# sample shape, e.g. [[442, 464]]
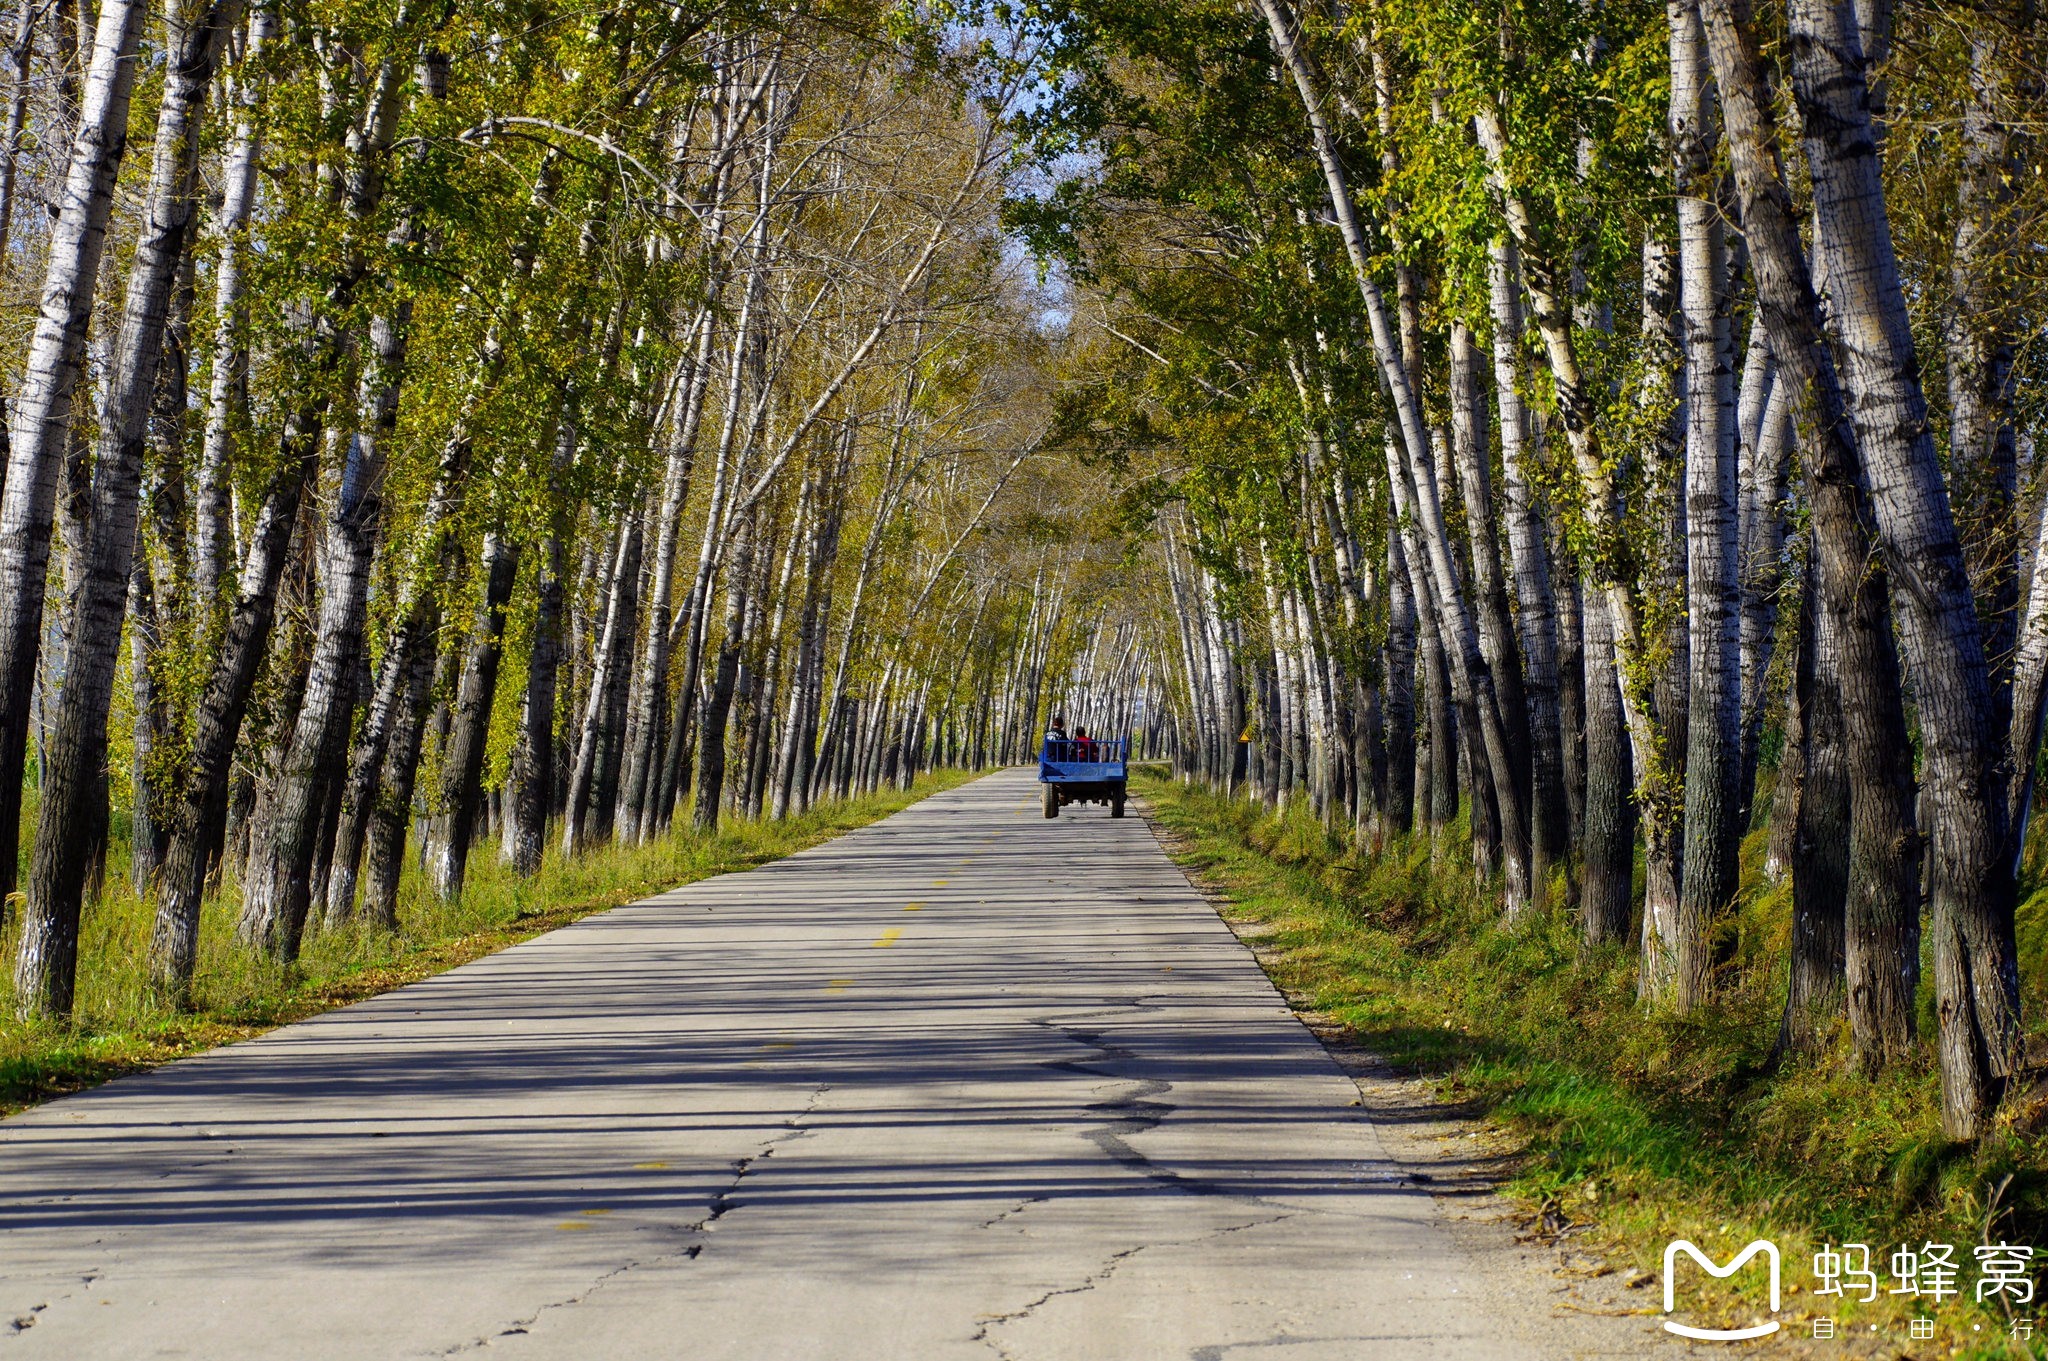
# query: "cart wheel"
[[1116, 804], [1052, 802]]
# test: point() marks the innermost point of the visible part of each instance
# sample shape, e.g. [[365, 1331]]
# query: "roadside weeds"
[[1572, 1170]]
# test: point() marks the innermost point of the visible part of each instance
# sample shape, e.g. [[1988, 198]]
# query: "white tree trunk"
[[39, 430]]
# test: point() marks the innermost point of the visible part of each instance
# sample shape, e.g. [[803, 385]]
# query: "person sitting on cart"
[[1084, 745], [1056, 732]]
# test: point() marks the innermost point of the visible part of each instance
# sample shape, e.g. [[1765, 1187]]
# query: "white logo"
[[1735, 1264]]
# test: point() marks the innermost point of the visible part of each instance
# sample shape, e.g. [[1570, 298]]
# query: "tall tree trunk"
[[2030, 689], [40, 430], [1463, 641], [1572, 717], [725, 673], [1820, 858], [1400, 689], [199, 813], [1529, 550], [462, 760], [1890, 451], [1714, 710], [1885, 847], [1977, 331], [1607, 876], [614, 643], [158, 592], [21, 53], [1766, 463], [145, 625], [391, 810], [532, 772], [1497, 638], [73, 782], [227, 396]]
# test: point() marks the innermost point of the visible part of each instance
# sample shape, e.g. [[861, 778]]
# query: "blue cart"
[[1089, 770]]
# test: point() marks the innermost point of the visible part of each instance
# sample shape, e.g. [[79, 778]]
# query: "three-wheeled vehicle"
[[1084, 770]]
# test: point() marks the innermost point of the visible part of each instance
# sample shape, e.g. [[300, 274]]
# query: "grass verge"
[[120, 1027], [1639, 1127]]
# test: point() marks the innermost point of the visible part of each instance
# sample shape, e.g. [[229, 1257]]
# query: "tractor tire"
[[1052, 801], [1116, 804]]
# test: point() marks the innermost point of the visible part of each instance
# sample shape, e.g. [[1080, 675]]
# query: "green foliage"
[[1642, 1125]]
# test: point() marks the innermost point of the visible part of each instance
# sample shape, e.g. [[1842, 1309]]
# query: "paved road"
[[964, 1084]]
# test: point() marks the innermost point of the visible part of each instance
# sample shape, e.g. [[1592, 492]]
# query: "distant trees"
[[476, 423], [1613, 422], [1303, 226]]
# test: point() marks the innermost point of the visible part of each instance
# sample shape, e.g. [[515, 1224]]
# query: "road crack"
[[722, 1203], [1102, 1273], [984, 1334], [1016, 1209]]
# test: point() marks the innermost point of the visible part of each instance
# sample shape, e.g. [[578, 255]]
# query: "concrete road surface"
[[966, 1083]]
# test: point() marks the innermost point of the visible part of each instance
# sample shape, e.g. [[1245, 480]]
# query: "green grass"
[[119, 1026], [1642, 1126]]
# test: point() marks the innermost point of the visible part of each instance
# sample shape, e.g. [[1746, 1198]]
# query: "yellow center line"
[[913, 907], [889, 937], [648, 1167], [839, 985], [780, 1044], [574, 1224], [940, 883]]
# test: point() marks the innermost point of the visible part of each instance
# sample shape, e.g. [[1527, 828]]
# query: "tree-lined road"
[[965, 1083]]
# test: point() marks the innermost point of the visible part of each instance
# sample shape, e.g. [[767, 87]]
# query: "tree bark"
[[1714, 710], [718, 703], [391, 809], [1529, 550], [462, 760], [40, 430], [1607, 876], [1571, 684], [1498, 642], [1977, 334], [1766, 463], [199, 815], [1463, 641], [74, 780], [598, 729], [1400, 691], [227, 395], [1820, 858], [1976, 974]]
